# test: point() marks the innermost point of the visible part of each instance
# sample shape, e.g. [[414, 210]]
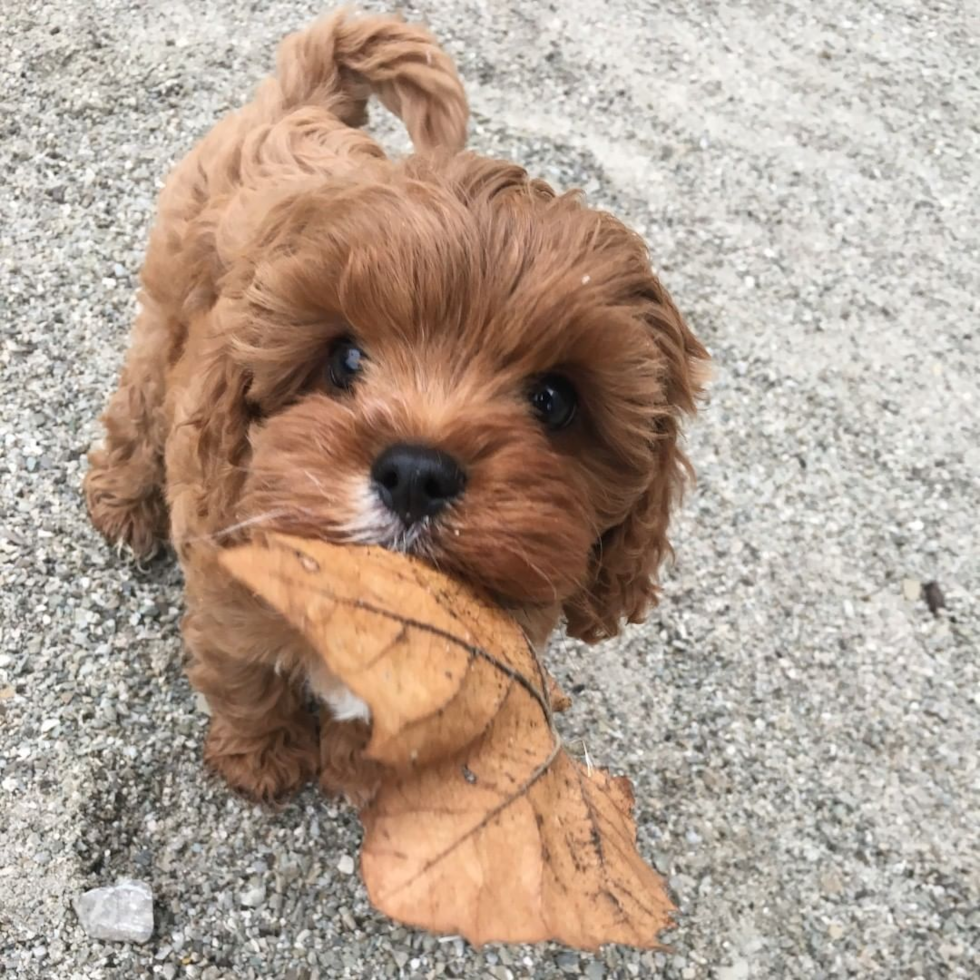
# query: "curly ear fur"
[[623, 579], [209, 448]]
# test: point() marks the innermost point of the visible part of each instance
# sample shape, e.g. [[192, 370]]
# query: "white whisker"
[[315, 482], [270, 515]]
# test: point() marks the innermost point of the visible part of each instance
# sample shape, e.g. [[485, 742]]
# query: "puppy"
[[439, 355]]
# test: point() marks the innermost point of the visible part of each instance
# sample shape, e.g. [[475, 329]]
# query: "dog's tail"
[[340, 60]]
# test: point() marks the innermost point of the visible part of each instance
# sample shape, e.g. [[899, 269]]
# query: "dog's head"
[[452, 361]]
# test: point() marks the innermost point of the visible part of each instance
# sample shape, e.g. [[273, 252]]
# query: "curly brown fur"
[[461, 279], [344, 770]]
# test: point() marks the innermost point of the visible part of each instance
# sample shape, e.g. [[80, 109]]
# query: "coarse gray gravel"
[[801, 729]]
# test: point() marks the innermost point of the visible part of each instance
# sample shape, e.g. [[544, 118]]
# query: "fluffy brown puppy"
[[439, 355]]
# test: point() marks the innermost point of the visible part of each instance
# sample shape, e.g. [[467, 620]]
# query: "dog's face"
[[456, 364]]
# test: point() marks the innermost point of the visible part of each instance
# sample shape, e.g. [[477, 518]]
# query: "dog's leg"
[[262, 738], [344, 769], [345, 730], [124, 484]]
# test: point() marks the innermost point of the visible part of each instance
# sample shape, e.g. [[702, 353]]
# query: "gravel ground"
[[801, 727]]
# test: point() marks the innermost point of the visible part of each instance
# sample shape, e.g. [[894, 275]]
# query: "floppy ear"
[[208, 453], [622, 582]]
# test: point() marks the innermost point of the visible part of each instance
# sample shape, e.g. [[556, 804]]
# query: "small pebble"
[[121, 912], [252, 897]]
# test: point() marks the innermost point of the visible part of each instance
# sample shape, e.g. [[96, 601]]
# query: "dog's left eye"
[[554, 400], [346, 360]]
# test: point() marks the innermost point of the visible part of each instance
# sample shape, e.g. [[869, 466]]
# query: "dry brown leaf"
[[485, 826], [560, 701]]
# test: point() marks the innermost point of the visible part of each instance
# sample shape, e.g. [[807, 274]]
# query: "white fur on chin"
[[375, 524], [343, 703]]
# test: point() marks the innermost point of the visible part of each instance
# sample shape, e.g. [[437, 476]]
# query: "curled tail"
[[339, 61]]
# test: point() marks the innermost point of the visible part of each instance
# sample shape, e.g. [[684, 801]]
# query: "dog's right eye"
[[345, 362], [553, 400]]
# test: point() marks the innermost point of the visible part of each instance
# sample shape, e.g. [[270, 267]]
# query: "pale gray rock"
[[121, 912]]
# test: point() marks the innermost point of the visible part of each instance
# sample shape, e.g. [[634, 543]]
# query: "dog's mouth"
[[374, 523], [414, 539], [367, 521], [438, 540], [493, 547]]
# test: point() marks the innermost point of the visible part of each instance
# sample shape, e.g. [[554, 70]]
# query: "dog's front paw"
[[264, 768], [133, 519], [344, 769]]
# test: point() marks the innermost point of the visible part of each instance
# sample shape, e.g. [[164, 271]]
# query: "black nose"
[[416, 482]]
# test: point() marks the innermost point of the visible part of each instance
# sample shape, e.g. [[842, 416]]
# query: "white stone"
[[121, 912], [252, 897]]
